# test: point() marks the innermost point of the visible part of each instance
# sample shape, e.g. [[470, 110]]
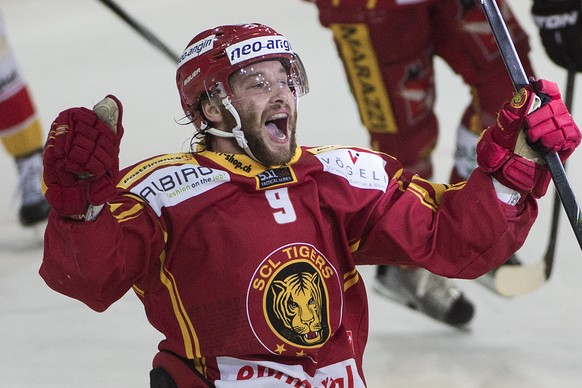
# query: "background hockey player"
[[21, 134], [244, 251], [388, 48]]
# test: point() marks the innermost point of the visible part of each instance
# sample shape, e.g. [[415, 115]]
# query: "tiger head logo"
[[297, 307], [289, 299]]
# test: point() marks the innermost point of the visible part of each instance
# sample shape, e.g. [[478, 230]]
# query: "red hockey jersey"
[[250, 272]]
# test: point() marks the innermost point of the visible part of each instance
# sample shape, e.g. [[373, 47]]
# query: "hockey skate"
[[425, 292], [34, 207]]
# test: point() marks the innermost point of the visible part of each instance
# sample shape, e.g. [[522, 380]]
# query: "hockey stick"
[[144, 32], [549, 256], [514, 278], [519, 79]]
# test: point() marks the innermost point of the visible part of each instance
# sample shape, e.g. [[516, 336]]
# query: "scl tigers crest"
[[288, 300]]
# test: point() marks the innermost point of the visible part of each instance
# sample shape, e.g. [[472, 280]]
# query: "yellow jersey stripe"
[[351, 278], [191, 342]]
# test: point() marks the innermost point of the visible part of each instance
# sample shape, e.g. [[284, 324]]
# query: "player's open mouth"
[[276, 126]]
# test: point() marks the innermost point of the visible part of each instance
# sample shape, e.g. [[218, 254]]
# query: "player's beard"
[[257, 143]]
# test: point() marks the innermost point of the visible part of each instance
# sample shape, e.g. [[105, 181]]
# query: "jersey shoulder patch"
[[362, 168], [170, 179]]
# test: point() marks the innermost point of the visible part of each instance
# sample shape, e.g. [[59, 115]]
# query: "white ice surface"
[[75, 52]]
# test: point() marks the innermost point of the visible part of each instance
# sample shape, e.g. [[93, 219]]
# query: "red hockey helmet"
[[213, 55]]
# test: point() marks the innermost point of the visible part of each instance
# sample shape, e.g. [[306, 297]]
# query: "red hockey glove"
[[503, 149], [81, 159], [551, 128]]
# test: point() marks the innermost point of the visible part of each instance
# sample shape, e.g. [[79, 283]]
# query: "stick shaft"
[[140, 29], [519, 79]]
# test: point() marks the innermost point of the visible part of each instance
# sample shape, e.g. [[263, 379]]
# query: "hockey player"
[[21, 134], [388, 48], [244, 250]]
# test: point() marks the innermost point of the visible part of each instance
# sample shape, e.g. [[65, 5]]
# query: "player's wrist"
[[505, 194], [90, 215]]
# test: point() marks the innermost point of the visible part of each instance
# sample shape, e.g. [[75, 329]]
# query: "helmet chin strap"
[[236, 132]]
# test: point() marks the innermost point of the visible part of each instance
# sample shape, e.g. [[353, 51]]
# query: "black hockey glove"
[[560, 24]]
